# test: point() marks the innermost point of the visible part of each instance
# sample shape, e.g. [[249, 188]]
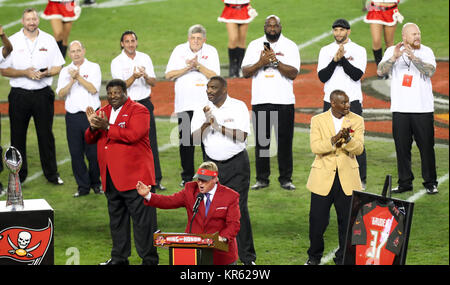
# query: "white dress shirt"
[[268, 85], [122, 67], [418, 97], [43, 52], [78, 98], [357, 57], [233, 114], [190, 88]]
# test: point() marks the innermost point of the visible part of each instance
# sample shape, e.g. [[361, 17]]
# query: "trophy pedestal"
[[26, 236]]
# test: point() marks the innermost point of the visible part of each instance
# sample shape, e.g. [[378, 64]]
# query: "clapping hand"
[[339, 54], [143, 189], [138, 72], [397, 52], [409, 52], [192, 63], [208, 113], [99, 121]]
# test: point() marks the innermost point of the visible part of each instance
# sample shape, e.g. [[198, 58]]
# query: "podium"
[[189, 249], [26, 236]]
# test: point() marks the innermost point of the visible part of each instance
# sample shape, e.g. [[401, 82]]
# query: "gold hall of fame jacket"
[[330, 158]]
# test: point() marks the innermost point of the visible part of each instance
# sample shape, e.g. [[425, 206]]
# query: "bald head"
[[411, 35], [77, 52]]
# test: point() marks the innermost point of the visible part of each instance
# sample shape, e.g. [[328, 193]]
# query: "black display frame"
[[359, 199]]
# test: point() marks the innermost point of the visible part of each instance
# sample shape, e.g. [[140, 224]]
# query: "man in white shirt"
[[191, 64], [31, 66], [273, 62], [79, 84], [223, 126], [412, 65], [136, 69], [341, 65], [4, 52]]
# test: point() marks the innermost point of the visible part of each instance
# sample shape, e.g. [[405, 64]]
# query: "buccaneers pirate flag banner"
[[24, 244]]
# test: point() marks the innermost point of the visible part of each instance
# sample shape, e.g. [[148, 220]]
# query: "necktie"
[[208, 203]]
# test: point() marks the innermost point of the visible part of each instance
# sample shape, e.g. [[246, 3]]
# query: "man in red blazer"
[[120, 130], [222, 214]]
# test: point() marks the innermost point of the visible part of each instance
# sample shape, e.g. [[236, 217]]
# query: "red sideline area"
[[309, 94]]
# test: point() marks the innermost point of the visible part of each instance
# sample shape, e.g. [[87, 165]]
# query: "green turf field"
[[279, 218]]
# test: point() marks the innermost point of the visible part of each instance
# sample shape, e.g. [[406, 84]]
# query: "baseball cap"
[[273, 16], [343, 23], [205, 174]]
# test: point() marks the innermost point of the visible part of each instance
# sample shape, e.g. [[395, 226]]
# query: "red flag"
[[24, 244]]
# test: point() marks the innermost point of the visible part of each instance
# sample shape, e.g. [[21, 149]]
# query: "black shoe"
[[79, 194], [160, 187], [432, 190], [249, 263], [183, 182], [338, 261], [58, 181], [363, 185], [259, 185], [288, 186], [89, 2], [401, 189], [312, 262], [97, 189], [115, 262]]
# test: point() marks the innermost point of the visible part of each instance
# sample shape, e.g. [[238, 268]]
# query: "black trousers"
[[235, 174], [147, 102], [355, 107], [281, 117], [319, 217], [39, 104], [86, 177], [420, 127], [121, 206]]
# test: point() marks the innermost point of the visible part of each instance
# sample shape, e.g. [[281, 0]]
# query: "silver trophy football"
[[13, 161]]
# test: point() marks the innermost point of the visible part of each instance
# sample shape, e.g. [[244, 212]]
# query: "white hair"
[[76, 42], [197, 29]]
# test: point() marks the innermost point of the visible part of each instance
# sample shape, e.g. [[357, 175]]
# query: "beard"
[[415, 46], [274, 37], [344, 38]]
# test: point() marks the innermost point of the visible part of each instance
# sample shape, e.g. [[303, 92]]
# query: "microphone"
[[195, 208], [197, 202]]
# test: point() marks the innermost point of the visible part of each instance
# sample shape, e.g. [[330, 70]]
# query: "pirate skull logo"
[[23, 241]]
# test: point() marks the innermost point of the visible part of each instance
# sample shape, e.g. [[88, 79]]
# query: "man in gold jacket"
[[337, 137]]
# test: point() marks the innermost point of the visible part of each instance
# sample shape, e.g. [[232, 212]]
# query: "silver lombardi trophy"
[[13, 161]]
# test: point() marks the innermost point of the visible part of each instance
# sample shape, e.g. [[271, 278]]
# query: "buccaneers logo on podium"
[[24, 244]]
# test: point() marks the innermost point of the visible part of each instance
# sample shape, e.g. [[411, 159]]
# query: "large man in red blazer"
[[120, 130], [223, 213]]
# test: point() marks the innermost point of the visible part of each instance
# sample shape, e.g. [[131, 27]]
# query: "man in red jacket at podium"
[[218, 210]]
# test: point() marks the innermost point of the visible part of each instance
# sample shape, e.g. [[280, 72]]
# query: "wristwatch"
[[275, 63]]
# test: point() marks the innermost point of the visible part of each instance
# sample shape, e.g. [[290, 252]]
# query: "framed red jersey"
[[378, 230]]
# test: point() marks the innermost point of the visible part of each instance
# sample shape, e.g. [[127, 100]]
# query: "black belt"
[[383, 8], [236, 6], [228, 160], [28, 91]]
